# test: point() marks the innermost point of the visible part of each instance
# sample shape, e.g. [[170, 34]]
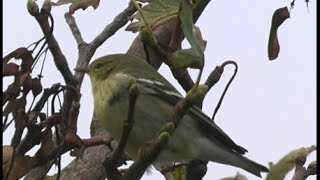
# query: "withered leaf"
[[77, 4], [9, 69], [26, 82], [33, 115], [36, 86], [22, 78], [13, 105], [47, 145], [21, 53], [12, 91], [18, 53], [20, 119], [279, 16]]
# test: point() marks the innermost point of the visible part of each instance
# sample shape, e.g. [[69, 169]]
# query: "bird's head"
[[101, 68]]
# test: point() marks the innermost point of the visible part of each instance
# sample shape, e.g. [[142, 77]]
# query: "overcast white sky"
[[270, 109]]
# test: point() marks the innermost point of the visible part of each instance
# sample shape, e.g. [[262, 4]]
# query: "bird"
[[195, 137]]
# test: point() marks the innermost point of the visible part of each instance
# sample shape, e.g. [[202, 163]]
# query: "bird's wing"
[[172, 96]]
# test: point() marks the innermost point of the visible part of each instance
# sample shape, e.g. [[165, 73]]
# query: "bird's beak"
[[83, 70]]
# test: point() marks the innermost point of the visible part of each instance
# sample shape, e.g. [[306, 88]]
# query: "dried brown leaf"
[[20, 119], [12, 91], [36, 86], [25, 55], [47, 145], [32, 119], [13, 106], [197, 33], [26, 82], [77, 4], [279, 16], [21, 53], [18, 53], [9, 69], [23, 77], [134, 27]]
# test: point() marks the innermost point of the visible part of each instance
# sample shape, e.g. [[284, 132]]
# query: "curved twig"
[[227, 86]]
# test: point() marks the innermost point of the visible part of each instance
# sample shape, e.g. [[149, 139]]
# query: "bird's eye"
[[98, 66]]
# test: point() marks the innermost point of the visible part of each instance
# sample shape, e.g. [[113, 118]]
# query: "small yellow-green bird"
[[195, 137]]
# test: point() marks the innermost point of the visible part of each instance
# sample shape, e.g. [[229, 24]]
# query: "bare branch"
[[91, 163], [58, 57], [112, 163], [86, 51], [74, 28], [119, 21], [39, 172]]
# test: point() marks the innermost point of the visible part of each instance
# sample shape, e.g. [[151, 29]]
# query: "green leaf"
[[279, 170], [156, 12], [189, 57], [193, 38], [186, 58]]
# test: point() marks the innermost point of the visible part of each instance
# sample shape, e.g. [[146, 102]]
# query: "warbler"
[[195, 137]]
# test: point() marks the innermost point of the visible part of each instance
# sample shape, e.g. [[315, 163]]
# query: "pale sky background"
[[270, 108]]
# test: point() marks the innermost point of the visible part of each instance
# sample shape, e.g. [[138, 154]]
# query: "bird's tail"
[[247, 164]]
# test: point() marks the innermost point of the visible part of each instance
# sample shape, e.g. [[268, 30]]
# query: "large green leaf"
[[192, 36], [156, 12]]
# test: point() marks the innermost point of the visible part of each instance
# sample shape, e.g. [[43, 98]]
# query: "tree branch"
[[119, 21], [91, 163], [58, 57], [86, 51], [111, 164], [74, 28]]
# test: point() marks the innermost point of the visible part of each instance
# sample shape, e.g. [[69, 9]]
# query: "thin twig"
[[137, 169], [112, 163], [119, 21], [86, 52], [58, 57], [227, 86], [74, 28]]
